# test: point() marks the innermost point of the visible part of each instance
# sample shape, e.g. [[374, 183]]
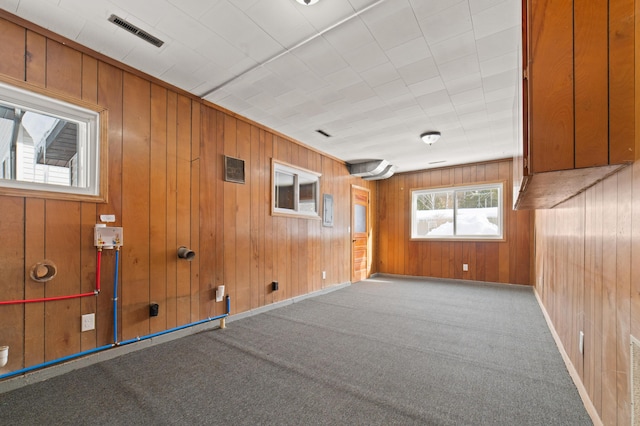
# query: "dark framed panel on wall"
[[327, 210], [233, 169]]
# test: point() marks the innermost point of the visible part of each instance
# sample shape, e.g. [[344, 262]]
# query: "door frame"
[[352, 230]]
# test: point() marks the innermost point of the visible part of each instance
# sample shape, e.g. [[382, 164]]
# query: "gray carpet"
[[386, 351]]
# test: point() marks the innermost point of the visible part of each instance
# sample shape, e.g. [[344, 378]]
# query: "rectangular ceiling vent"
[[136, 31]]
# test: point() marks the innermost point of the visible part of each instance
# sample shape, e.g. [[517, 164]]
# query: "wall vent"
[[136, 31]]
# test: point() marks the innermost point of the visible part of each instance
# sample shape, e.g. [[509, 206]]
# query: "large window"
[[48, 146], [295, 191], [462, 212]]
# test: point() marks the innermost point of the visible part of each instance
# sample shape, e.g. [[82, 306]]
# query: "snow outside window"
[[472, 212]]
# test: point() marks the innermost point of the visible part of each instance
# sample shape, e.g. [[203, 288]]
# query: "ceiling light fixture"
[[430, 137], [307, 2]]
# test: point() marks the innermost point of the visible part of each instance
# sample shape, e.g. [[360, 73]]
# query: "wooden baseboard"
[[584, 395]]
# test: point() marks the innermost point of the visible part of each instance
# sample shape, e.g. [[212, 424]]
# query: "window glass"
[[469, 212], [295, 191], [47, 145], [285, 194]]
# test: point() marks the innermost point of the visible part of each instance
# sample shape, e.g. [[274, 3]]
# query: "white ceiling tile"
[[419, 71], [427, 86], [464, 83], [380, 74], [448, 23], [283, 23], [321, 57], [454, 48], [467, 97], [499, 43], [496, 18], [409, 52], [366, 57], [349, 37], [374, 80], [241, 32], [500, 64], [459, 68], [396, 25]]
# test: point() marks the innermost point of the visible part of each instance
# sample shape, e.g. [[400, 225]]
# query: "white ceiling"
[[374, 74]]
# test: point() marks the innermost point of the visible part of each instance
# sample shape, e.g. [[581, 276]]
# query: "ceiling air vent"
[[136, 31], [372, 169]]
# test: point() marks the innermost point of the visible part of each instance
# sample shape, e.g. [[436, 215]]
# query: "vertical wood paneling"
[[230, 223], [135, 207], [506, 262], [12, 50], [183, 209], [62, 247], [88, 305], [64, 69], [166, 189], [243, 218], [110, 95], [172, 202], [207, 223], [591, 82], [551, 99], [158, 207], [194, 220], [34, 324], [12, 277], [623, 289], [35, 59], [621, 80], [591, 286]]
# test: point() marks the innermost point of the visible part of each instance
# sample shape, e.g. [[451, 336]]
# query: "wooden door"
[[360, 249]]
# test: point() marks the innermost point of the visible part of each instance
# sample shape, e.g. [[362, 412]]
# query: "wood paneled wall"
[[504, 262], [166, 189], [588, 278]]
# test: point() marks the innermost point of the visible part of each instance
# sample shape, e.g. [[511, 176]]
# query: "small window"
[[49, 146], [465, 212], [295, 190]]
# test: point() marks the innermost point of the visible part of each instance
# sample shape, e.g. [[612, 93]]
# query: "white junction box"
[[88, 322], [465, 267], [107, 237]]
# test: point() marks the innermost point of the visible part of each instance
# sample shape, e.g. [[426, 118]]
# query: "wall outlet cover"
[[88, 322]]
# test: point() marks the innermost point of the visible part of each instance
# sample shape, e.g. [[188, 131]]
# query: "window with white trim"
[[295, 191], [48, 145], [472, 212]]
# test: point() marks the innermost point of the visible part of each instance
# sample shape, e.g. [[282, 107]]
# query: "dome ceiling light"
[[430, 137]]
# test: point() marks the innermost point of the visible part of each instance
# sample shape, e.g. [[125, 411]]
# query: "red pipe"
[[98, 263], [48, 299], [72, 296]]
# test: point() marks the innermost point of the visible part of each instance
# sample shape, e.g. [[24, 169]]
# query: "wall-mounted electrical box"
[[107, 237]]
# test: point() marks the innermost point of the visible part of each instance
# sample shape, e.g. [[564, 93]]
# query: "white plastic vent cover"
[[635, 381], [136, 30]]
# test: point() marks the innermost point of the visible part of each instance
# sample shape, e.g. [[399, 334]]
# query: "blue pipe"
[[115, 297], [55, 361], [115, 332], [160, 333]]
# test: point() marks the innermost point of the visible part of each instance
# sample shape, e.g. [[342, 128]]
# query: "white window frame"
[[92, 150], [297, 173], [453, 189]]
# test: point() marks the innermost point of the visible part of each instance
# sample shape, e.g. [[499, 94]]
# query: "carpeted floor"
[[385, 351]]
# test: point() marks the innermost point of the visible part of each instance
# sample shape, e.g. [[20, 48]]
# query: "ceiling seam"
[[291, 49]]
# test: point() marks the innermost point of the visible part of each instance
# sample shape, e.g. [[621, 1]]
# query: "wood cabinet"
[[578, 94]]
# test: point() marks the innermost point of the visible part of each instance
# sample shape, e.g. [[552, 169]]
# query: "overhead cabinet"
[[578, 93]]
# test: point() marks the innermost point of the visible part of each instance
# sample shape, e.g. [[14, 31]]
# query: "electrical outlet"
[[581, 342], [324, 275], [88, 322], [465, 267]]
